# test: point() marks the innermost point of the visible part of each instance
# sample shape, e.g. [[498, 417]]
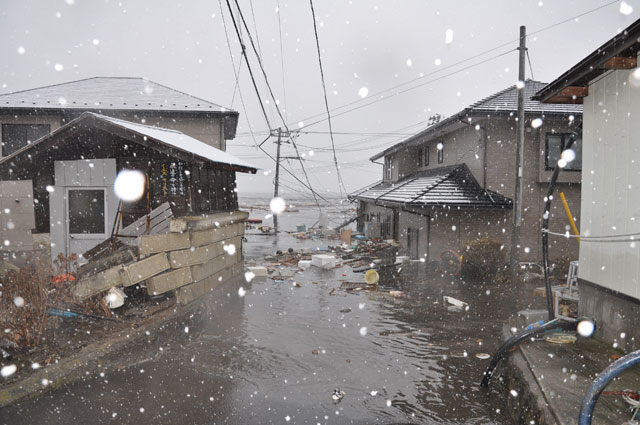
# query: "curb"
[[126, 348], [530, 404]]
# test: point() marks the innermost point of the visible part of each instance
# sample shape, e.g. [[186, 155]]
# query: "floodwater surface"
[[274, 353]]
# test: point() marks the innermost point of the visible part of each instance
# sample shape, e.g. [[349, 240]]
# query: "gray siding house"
[[607, 83], [454, 181], [31, 115]]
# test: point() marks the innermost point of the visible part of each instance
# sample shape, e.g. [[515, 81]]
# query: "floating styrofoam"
[[304, 264], [400, 259], [323, 261], [259, 271]]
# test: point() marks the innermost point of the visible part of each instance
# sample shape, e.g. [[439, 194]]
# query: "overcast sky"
[[367, 46]]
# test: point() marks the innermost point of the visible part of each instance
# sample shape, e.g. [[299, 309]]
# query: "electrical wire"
[[326, 101], [245, 109], [253, 80], [284, 90], [484, 52], [273, 97], [414, 87], [603, 238], [530, 67]]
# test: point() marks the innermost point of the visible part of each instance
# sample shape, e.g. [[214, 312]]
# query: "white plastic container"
[[323, 261], [259, 271], [304, 264]]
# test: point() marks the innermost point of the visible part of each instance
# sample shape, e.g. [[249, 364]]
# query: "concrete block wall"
[[190, 263]]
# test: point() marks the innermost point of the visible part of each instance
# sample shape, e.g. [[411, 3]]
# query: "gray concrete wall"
[[615, 315]]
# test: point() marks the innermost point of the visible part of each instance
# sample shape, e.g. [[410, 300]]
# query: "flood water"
[[276, 354]]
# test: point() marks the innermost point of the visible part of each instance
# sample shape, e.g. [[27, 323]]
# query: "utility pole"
[[275, 185], [279, 133], [517, 206]]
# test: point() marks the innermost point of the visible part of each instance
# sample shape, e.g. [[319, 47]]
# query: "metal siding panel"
[[59, 173], [109, 167], [97, 173], [83, 173]]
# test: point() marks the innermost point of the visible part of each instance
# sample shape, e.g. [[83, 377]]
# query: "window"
[[440, 153], [419, 157], [86, 211], [16, 136], [426, 156], [387, 168], [555, 145]]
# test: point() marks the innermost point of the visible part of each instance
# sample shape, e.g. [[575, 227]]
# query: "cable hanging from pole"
[[341, 185], [253, 46]]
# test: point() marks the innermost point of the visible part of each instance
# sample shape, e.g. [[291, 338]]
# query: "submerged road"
[[276, 354]]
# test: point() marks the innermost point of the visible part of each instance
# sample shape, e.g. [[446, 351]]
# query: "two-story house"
[[454, 181], [62, 146]]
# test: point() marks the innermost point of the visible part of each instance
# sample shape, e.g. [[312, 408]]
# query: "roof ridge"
[[47, 86], [102, 116]]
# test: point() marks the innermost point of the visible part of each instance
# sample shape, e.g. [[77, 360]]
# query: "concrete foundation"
[[615, 315]]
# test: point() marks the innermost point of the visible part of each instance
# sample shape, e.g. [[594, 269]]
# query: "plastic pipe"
[[601, 381], [519, 338], [545, 226]]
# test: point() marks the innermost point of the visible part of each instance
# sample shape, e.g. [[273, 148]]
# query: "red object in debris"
[[254, 220], [63, 277], [344, 274]]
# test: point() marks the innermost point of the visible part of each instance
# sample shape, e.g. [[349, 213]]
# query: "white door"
[[86, 218]]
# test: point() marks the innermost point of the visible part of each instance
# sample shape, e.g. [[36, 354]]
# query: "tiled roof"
[[502, 101], [507, 100], [161, 139], [109, 93], [452, 186]]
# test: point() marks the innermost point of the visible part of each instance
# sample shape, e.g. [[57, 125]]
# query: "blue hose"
[[601, 381]]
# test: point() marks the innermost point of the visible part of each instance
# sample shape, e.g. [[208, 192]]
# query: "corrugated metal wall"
[[611, 183]]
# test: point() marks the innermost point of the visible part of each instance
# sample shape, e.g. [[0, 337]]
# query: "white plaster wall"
[[611, 183]]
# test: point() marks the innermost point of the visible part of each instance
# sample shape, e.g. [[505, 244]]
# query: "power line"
[[530, 67], [272, 95], [484, 52], [326, 101], [415, 87], [284, 90], [245, 109], [244, 54]]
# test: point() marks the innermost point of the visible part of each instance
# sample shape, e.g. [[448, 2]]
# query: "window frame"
[[68, 217], [426, 155], [563, 142], [441, 154], [420, 150], [388, 161], [25, 127]]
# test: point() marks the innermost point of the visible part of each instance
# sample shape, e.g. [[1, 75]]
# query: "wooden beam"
[[575, 91], [619, 62], [565, 99]]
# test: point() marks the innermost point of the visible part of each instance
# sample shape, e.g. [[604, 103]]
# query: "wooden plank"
[[565, 100], [577, 91], [619, 62]]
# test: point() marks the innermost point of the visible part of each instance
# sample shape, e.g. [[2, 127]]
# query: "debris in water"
[[396, 294], [483, 356], [338, 395], [456, 302]]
